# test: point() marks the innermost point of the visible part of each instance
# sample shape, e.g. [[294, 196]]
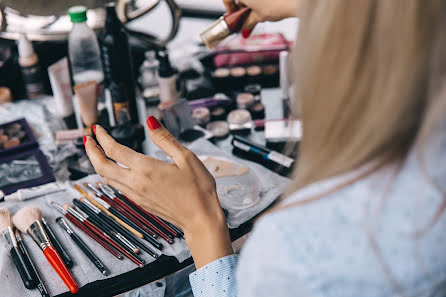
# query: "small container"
[[220, 129], [254, 74], [240, 121], [218, 114], [5, 95], [201, 116], [238, 77], [220, 78], [257, 111], [256, 90], [271, 76], [245, 100]]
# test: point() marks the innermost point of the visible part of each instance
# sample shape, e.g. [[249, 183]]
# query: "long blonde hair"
[[364, 80]]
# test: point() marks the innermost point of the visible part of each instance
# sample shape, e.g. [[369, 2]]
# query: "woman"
[[364, 214]]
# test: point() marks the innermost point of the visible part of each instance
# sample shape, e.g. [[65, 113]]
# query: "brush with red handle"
[[28, 220]]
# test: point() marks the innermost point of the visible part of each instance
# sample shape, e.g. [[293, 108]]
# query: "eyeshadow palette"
[[22, 164]]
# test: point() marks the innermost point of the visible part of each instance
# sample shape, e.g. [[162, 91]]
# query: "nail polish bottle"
[[226, 25]]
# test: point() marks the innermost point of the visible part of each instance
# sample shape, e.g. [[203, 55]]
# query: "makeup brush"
[[102, 208], [131, 237], [93, 235], [147, 236], [130, 255], [28, 220], [6, 228], [31, 266], [139, 209], [84, 248], [167, 236], [57, 245]]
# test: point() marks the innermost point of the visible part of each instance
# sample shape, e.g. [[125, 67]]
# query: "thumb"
[[166, 141]]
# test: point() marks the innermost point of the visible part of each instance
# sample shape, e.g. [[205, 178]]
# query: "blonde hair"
[[364, 81]]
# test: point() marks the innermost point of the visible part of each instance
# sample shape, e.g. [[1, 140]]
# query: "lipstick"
[[226, 25]]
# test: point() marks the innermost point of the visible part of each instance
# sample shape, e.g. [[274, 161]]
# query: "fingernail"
[[246, 33], [94, 129], [84, 139], [153, 123]]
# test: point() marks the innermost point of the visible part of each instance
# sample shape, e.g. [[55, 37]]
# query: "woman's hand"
[[263, 10], [184, 193]]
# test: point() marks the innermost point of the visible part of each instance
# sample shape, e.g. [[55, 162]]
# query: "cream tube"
[[87, 97], [61, 85]]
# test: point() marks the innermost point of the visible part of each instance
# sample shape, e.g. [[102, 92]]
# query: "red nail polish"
[[94, 129], [153, 123], [246, 33], [84, 139]]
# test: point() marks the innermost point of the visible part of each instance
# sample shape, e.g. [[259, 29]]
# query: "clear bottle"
[[31, 72], [83, 49], [148, 71]]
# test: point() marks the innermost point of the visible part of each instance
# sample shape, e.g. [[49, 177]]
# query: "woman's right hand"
[[263, 10]]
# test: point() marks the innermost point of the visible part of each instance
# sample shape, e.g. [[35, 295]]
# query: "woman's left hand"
[[183, 193]]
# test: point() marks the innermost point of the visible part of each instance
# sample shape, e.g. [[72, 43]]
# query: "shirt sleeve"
[[216, 278]]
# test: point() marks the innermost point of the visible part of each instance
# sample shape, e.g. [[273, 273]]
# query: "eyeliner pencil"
[[143, 212], [81, 226], [130, 255], [57, 245], [147, 236], [105, 210], [130, 236], [84, 248], [30, 265]]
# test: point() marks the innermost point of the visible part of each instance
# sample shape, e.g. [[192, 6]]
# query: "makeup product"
[[167, 78], [239, 121], [5, 95], [6, 228], [201, 116], [245, 100], [117, 61], [176, 117], [220, 129], [265, 153], [104, 226], [59, 75], [84, 248], [130, 213], [254, 74], [29, 193], [147, 233], [67, 136], [220, 76], [31, 73], [238, 78], [270, 76], [141, 210], [225, 26], [257, 111], [255, 90], [87, 98], [284, 83], [28, 220], [57, 245], [31, 266], [130, 236], [92, 234], [84, 219], [149, 220], [105, 210], [283, 131], [218, 100]]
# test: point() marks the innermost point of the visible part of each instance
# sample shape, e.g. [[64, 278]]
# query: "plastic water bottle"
[[83, 49]]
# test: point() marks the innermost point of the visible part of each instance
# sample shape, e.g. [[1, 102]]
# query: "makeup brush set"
[[115, 222]]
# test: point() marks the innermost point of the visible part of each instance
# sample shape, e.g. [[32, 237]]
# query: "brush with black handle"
[[6, 228], [31, 267], [57, 245]]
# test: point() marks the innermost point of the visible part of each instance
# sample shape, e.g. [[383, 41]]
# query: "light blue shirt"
[[357, 241]]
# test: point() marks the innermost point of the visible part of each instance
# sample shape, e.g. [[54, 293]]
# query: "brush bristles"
[[25, 217], [5, 219]]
